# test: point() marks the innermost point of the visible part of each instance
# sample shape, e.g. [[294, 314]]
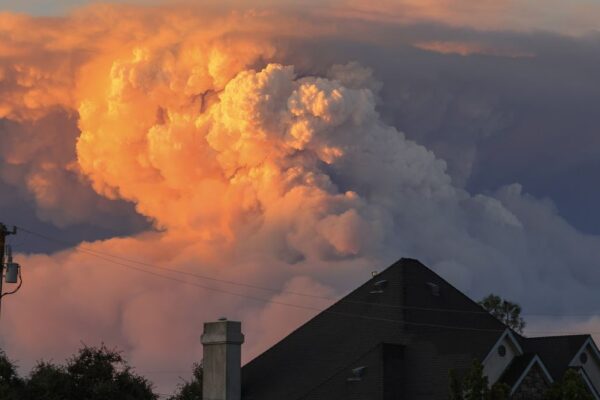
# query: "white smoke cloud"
[[254, 174]]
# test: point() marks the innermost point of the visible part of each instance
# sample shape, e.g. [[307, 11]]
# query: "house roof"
[[516, 369], [556, 352], [437, 333], [588, 382], [520, 367]]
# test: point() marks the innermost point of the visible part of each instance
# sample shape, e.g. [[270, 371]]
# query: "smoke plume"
[[250, 169]]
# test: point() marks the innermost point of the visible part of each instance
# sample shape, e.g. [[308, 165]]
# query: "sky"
[[169, 159]]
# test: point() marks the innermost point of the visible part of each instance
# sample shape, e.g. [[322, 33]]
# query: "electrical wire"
[[113, 259], [280, 291], [199, 276], [297, 306]]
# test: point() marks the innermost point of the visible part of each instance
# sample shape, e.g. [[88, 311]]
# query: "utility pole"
[[4, 232]]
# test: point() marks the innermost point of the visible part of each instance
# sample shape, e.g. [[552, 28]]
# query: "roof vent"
[[357, 374], [379, 286], [374, 274], [435, 288]]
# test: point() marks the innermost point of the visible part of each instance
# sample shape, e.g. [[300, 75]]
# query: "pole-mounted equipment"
[[13, 270]]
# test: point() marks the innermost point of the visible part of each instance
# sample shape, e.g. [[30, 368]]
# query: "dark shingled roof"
[[516, 368], [556, 352], [357, 329]]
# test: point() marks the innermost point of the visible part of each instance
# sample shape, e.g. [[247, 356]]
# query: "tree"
[[191, 390], [475, 386], [570, 387], [456, 392], [507, 312], [47, 382], [100, 373], [499, 391], [92, 374], [11, 385]]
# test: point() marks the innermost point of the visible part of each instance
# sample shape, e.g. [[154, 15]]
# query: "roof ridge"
[[557, 336], [465, 299], [337, 303]]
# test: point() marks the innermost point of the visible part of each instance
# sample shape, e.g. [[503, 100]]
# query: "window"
[[501, 350], [583, 358]]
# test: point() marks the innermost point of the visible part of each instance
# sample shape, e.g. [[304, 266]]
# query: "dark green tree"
[[191, 390], [456, 392], [507, 312], [100, 373], [475, 386], [11, 385], [48, 382], [499, 391], [570, 387], [95, 373]]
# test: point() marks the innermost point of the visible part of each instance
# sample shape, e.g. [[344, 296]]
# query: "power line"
[[260, 299], [109, 256], [176, 270], [297, 306]]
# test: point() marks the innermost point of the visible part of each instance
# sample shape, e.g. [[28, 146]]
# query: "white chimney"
[[222, 341]]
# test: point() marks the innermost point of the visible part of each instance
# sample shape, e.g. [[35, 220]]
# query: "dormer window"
[[583, 357]]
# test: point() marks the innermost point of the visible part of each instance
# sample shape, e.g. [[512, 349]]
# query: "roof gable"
[[590, 386], [520, 367], [556, 352], [414, 307], [589, 342], [511, 338]]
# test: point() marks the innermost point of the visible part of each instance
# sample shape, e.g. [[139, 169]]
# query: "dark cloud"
[[43, 191], [530, 118]]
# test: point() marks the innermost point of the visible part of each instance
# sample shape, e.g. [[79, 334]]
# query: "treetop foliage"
[[94, 373], [507, 312]]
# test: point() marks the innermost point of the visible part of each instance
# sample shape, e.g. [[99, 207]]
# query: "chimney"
[[222, 341]]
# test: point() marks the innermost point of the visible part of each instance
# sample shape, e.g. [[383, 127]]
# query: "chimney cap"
[[222, 332]]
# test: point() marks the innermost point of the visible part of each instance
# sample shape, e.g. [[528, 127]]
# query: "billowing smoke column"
[[249, 171], [268, 155]]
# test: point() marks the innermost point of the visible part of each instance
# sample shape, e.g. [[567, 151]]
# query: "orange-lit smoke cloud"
[[180, 112], [250, 173]]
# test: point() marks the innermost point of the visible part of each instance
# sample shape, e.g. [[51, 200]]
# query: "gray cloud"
[[494, 119], [42, 189]]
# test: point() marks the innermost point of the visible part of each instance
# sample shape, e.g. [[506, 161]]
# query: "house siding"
[[496, 364], [591, 367]]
